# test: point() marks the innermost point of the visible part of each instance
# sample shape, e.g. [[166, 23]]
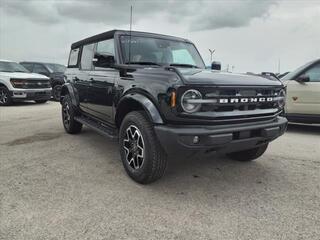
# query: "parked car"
[[18, 84], [52, 70], [303, 93], [153, 93]]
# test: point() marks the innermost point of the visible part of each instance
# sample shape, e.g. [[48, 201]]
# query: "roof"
[[40, 62], [110, 34], [5, 60]]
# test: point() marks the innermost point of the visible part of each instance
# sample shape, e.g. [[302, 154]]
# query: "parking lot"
[[59, 186]]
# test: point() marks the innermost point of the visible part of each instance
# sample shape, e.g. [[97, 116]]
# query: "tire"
[[248, 155], [41, 101], [68, 113], [5, 98], [142, 156], [56, 92]]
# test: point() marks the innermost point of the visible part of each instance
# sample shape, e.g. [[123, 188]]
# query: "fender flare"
[[147, 105], [68, 89]]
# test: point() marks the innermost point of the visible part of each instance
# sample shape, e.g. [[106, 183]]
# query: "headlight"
[[190, 101], [18, 83], [282, 98]]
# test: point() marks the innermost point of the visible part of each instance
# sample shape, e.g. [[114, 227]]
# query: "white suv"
[[303, 93], [17, 84]]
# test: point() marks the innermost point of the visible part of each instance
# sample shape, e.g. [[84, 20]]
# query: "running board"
[[98, 127]]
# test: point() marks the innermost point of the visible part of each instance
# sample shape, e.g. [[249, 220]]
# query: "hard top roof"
[[110, 34]]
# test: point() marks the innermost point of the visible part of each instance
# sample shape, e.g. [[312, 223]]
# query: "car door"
[[304, 97], [102, 80], [81, 78]]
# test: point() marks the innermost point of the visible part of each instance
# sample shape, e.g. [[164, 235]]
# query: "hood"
[[209, 77], [22, 75]]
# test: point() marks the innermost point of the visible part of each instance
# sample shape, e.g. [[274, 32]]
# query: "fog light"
[[196, 139]]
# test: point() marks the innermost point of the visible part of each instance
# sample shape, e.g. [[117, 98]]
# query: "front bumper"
[[222, 138], [31, 94]]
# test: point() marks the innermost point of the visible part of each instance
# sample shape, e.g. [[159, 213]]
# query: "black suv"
[[153, 93], [53, 71]]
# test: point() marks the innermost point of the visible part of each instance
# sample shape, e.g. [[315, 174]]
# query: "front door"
[[102, 82], [304, 97]]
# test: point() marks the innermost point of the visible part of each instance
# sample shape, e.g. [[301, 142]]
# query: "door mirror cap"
[[303, 78], [216, 65]]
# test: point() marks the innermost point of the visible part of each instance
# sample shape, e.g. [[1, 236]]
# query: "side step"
[[98, 127]]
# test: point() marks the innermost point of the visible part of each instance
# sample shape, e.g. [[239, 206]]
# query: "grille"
[[236, 104], [31, 83]]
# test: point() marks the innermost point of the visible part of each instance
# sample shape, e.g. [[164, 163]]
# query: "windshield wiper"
[[144, 63], [183, 65]]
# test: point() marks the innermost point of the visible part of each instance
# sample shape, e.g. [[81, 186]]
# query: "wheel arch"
[[137, 102], [68, 89]]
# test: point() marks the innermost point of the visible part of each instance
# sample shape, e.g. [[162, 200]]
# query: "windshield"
[[156, 51], [11, 67], [56, 67]]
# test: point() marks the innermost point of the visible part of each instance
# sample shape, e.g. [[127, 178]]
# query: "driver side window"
[[313, 73], [104, 54]]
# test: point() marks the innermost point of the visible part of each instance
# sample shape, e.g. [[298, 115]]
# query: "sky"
[[247, 35]]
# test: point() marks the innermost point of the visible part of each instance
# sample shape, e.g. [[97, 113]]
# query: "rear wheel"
[[41, 101], [5, 98], [142, 155], [56, 92], [68, 113], [248, 155]]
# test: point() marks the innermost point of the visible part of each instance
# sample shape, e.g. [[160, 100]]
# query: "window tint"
[[39, 68], [28, 66], [313, 73], [86, 57], [106, 47], [73, 58]]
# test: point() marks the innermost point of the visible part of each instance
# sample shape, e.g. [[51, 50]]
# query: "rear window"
[[73, 58]]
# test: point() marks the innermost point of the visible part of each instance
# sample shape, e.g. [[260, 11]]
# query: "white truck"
[[303, 93], [18, 84]]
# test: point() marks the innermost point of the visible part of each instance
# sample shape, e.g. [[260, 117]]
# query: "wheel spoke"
[[133, 145]]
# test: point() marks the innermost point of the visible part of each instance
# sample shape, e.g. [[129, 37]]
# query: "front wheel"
[[5, 98], [248, 155], [142, 155], [56, 92]]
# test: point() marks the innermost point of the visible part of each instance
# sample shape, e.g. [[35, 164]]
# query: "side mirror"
[[303, 78], [103, 61], [216, 65]]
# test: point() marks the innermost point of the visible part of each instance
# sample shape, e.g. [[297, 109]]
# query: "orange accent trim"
[[173, 100]]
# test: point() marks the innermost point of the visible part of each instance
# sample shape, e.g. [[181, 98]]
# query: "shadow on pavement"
[[304, 128]]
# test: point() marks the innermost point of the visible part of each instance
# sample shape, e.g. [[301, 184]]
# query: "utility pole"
[[279, 65], [211, 53]]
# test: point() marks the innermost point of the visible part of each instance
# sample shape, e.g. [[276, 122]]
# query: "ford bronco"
[[153, 93]]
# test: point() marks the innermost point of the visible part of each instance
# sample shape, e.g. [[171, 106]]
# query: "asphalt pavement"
[[59, 186]]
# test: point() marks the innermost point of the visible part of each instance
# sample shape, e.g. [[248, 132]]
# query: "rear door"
[[304, 98], [102, 81]]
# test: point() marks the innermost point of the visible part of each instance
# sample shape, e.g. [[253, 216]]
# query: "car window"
[[39, 68], [182, 56], [313, 73], [86, 57], [106, 47], [28, 66], [73, 58]]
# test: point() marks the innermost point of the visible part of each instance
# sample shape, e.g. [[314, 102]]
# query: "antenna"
[[130, 34]]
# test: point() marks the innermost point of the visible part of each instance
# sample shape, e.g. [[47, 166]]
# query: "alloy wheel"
[[133, 145], [66, 114], [3, 96]]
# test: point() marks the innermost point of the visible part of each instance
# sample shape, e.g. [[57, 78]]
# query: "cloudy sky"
[[250, 35]]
